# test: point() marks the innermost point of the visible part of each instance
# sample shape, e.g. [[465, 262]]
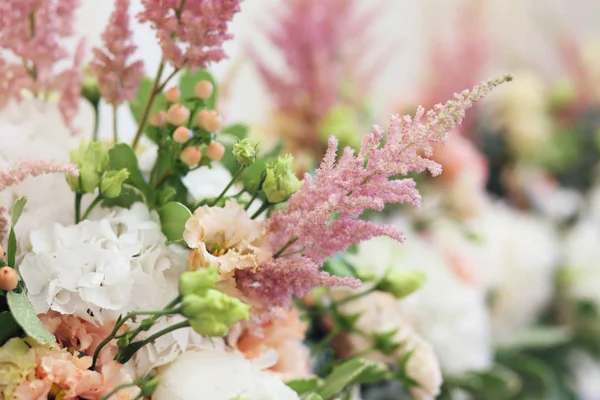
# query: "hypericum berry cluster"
[[193, 130]]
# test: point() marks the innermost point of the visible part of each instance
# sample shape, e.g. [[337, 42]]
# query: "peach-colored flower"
[[75, 333], [283, 335], [226, 237], [34, 390], [459, 156]]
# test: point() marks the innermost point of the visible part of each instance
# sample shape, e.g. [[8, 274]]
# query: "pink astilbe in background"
[[322, 218], [31, 32], [24, 169], [191, 33], [118, 76]]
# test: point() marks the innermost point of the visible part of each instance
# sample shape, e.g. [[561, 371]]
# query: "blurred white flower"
[[586, 376], [218, 375], [100, 269], [581, 255], [34, 129], [447, 312], [209, 182]]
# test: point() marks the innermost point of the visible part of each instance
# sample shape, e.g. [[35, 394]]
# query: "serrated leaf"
[[187, 84], [173, 217], [8, 327], [352, 372], [304, 385], [17, 210], [24, 314], [122, 156]]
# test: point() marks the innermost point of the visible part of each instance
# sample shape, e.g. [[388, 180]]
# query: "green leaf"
[[138, 104], [239, 131], [187, 84], [352, 372], [173, 217], [541, 337], [122, 156], [129, 196], [24, 314], [304, 385], [8, 327], [17, 210], [313, 396]]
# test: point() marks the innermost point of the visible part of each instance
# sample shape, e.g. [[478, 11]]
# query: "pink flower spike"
[[24, 169], [118, 76], [190, 32]]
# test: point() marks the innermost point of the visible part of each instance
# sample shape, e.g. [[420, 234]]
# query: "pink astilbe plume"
[[24, 169], [316, 61], [322, 218], [118, 76], [190, 32], [31, 32]]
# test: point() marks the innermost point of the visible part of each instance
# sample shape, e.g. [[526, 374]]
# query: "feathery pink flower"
[[118, 77], [24, 169], [190, 32], [31, 33], [322, 218]]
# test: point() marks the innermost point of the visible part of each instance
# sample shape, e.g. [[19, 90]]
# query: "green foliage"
[[8, 327], [187, 84], [24, 314], [17, 210], [121, 157], [305, 385], [139, 103], [352, 372], [173, 217]]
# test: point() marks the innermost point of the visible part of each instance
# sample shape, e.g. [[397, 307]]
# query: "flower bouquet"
[[182, 265]]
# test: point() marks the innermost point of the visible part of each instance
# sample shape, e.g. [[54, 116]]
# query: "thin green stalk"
[[179, 325], [285, 247], [255, 194], [114, 120], [78, 197], [96, 121], [325, 341], [118, 388], [148, 108], [262, 209], [230, 184], [91, 207], [355, 296]]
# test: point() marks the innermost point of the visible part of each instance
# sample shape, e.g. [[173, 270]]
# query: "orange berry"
[[158, 119], [173, 94], [8, 278], [191, 156], [181, 135], [215, 151], [204, 90], [209, 120], [178, 114]]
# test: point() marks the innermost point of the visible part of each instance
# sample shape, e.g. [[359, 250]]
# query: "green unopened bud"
[[245, 151], [342, 122], [280, 181], [92, 161], [89, 88], [214, 313], [112, 183], [149, 387], [402, 282], [198, 282]]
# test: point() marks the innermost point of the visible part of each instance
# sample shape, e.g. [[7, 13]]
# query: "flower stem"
[[162, 85], [262, 209], [114, 120], [96, 121], [146, 114], [78, 197], [179, 325], [355, 296], [255, 194], [118, 388], [230, 184], [285, 247], [91, 207]]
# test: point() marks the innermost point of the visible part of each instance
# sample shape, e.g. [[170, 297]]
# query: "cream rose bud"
[[178, 114], [204, 89], [218, 375], [215, 151], [158, 119], [181, 135], [173, 95], [191, 156], [8, 278]]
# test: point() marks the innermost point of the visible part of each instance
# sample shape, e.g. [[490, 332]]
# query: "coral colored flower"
[[190, 32], [118, 76], [285, 336], [226, 237]]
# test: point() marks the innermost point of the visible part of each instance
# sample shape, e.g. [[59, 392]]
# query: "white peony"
[[34, 129], [218, 375], [447, 312], [100, 269]]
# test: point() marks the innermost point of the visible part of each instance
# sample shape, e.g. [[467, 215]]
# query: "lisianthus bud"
[[112, 183], [181, 135], [245, 151], [89, 87], [204, 90], [159, 119], [191, 156], [173, 95], [92, 161], [213, 313], [215, 151], [280, 182], [402, 282], [209, 120], [8, 278], [198, 282], [178, 114]]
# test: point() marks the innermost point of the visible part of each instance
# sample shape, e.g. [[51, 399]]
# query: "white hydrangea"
[[102, 268], [218, 375], [34, 129]]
